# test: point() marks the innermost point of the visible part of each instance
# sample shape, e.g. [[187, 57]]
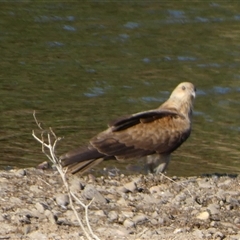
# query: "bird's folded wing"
[[144, 117], [144, 133]]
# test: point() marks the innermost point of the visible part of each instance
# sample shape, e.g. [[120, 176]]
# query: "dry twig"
[[51, 146]]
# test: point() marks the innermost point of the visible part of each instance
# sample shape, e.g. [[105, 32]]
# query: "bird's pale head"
[[182, 98], [184, 91]]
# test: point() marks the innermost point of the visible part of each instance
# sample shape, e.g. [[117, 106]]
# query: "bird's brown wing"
[[147, 116], [155, 131]]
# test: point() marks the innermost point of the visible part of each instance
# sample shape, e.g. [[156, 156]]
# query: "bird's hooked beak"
[[194, 93]]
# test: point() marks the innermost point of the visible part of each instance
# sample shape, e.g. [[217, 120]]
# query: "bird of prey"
[[152, 134]]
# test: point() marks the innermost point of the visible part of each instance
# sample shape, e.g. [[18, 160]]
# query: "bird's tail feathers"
[[81, 159]]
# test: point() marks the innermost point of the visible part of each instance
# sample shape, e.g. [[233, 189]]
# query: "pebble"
[[204, 184], [203, 215], [154, 189], [113, 216], [125, 207], [198, 234], [99, 213], [218, 235], [139, 218], [177, 230], [52, 219], [213, 208], [128, 223], [40, 207], [26, 229], [91, 192], [62, 200], [76, 185], [21, 173], [131, 186], [127, 214]]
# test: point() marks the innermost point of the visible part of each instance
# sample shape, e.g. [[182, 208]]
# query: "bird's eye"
[[183, 87]]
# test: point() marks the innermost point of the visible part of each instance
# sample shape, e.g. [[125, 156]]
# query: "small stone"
[[122, 202], [44, 165], [40, 207], [26, 229], [122, 190], [127, 214], [62, 200], [21, 173], [177, 230], [113, 216], [218, 235], [91, 192], [204, 184], [131, 186], [212, 230], [37, 235], [161, 221], [50, 216], [198, 234], [155, 214], [213, 208], [128, 223], [203, 215], [15, 200], [139, 218], [76, 185], [100, 213], [35, 189], [153, 221], [154, 189], [237, 220]]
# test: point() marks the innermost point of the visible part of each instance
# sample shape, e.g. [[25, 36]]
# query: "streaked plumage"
[[153, 134]]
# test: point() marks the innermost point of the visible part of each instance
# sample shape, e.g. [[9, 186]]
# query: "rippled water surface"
[[80, 65]]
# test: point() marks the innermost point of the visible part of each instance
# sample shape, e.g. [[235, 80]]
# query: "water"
[[80, 65]]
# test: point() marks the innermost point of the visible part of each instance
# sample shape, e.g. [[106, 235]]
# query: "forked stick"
[[57, 162]]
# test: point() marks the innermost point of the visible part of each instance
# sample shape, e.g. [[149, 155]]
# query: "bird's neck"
[[184, 107]]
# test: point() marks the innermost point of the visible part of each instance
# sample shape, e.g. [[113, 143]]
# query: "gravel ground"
[[34, 205]]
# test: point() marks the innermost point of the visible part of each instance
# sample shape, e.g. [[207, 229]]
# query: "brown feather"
[[158, 132]]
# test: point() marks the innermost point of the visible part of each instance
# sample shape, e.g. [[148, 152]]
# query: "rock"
[[44, 165], [15, 200], [139, 218], [37, 235], [35, 189], [26, 229], [213, 208], [198, 234], [177, 230], [122, 190], [204, 184], [52, 219], [21, 173], [154, 189], [76, 185], [91, 192], [203, 215], [62, 200], [127, 214], [99, 213], [162, 210], [131, 186], [40, 207], [218, 235], [113, 216], [128, 223]]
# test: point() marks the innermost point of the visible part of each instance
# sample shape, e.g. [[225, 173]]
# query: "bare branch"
[[57, 162]]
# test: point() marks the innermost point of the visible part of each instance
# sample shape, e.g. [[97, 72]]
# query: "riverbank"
[[34, 205]]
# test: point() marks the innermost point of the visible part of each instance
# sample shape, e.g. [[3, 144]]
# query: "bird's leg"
[[157, 163]]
